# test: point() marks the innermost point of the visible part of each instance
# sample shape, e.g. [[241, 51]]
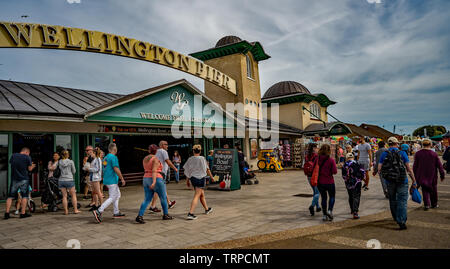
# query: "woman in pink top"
[[153, 182], [327, 168]]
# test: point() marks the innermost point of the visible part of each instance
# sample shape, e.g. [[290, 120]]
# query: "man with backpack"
[[353, 173], [381, 149], [393, 166]]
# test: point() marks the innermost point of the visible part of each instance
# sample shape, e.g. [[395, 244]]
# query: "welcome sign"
[[30, 35]]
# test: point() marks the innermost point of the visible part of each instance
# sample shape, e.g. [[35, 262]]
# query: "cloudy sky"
[[385, 62]]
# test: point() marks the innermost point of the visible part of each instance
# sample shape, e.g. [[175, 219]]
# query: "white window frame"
[[315, 109], [249, 67]]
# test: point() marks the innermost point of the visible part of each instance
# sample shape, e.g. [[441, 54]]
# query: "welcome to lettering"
[[28, 35]]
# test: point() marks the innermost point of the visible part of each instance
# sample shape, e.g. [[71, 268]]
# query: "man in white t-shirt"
[[365, 160], [163, 157]]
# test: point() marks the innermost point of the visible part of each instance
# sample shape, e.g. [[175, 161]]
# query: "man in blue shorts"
[[20, 166]]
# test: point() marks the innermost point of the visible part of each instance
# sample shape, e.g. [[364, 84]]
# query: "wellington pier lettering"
[[28, 35]]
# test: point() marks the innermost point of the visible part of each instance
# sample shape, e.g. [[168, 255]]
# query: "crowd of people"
[[99, 170], [356, 161], [391, 163]]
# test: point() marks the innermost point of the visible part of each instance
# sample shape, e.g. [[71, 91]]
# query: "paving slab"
[[265, 208]]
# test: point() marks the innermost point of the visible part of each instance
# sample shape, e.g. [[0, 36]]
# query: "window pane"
[[315, 111], [249, 67], [63, 142]]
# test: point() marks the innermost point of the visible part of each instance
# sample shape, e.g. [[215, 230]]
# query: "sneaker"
[[402, 226], [365, 187], [325, 218], [154, 210], [208, 211], [311, 210], [26, 215], [172, 204], [425, 208], [119, 215], [94, 207], [355, 216], [318, 209], [437, 206], [140, 219], [17, 212], [191, 216], [97, 215], [6, 216], [167, 217], [330, 215]]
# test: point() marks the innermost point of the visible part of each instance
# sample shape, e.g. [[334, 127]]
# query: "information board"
[[225, 170]]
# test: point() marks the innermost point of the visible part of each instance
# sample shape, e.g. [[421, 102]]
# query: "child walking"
[[353, 174]]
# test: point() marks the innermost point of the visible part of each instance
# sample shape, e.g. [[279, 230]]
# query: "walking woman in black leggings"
[[327, 168]]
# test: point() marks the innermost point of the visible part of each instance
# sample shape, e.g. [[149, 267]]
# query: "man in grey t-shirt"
[[365, 159]]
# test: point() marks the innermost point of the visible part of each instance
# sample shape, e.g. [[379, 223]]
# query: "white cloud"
[[374, 1], [74, 1], [386, 63]]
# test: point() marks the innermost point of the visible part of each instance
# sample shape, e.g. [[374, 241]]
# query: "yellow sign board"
[[30, 35]]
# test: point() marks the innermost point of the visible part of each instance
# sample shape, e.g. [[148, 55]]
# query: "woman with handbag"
[[426, 165], [310, 161], [326, 169]]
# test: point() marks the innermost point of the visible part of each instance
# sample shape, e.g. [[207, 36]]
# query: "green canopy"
[[436, 137]]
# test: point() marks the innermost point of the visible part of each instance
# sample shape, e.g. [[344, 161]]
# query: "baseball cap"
[[392, 140], [427, 141], [349, 155]]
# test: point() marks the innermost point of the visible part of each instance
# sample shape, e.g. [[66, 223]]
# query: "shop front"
[[133, 122]]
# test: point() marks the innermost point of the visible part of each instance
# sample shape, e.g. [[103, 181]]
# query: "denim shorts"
[[198, 182], [66, 184], [23, 186]]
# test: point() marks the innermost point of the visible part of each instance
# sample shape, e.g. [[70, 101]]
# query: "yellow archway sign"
[[30, 35]]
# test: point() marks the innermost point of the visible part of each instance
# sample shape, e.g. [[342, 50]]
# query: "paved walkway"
[[254, 210]]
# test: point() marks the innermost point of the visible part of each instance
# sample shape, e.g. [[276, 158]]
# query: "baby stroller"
[[52, 195]]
